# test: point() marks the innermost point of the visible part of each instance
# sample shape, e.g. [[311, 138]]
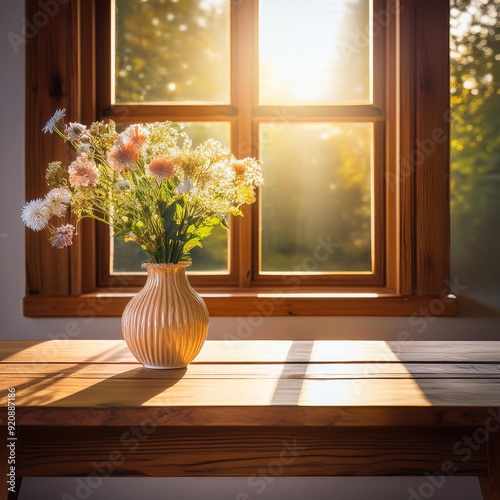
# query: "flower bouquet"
[[147, 182]]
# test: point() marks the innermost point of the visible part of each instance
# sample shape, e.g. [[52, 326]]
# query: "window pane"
[[172, 51], [314, 53], [475, 141], [316, 199], [213, 257]]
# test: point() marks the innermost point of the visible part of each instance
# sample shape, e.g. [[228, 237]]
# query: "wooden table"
[[257, 409]]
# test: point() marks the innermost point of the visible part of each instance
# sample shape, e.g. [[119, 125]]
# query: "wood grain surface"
[[303, 407]]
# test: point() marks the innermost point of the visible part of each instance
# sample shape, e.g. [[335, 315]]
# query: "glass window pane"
[[475, 141], [213, 257], [315, 53], [172, 51], [316, 199]]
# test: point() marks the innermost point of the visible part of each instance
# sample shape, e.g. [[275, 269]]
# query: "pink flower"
[[135, 134], [83, 172], [161, 168], [123, 156], [63, 236]]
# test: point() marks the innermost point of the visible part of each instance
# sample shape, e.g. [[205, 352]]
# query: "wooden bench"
[[256, 409]]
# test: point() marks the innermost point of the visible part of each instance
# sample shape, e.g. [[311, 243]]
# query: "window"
[[475, 143], [353, 217], [320, 135]]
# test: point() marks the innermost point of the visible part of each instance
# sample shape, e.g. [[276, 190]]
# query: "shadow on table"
[[133, 387]]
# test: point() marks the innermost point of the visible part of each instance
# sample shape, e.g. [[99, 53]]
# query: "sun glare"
[[306, 50]]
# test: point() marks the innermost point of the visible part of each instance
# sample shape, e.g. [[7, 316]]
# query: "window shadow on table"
[[465, 374], [291, 380], [461, 379]]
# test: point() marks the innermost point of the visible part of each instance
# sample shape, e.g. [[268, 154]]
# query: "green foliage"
[[475, 104]]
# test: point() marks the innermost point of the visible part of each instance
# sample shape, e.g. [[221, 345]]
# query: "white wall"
[[478, 269]]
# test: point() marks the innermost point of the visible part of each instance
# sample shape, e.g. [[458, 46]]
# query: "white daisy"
[[58, 115], [36, 214]]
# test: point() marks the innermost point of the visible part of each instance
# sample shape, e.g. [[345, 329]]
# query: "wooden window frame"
[[245, 115], [414, 270]]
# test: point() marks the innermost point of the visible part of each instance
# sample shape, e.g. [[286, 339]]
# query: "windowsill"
[[253, 303]]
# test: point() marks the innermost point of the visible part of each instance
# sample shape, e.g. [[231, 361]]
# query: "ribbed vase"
[[166, 323]]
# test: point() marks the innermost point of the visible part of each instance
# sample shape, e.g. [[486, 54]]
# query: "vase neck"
[[153, 266], [172, 271]]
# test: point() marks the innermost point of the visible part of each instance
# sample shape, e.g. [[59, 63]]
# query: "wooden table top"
[[256, 383]]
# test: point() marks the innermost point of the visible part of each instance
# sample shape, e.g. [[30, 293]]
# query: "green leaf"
[[194, 242], [179, 210], [168, 214], [203, 231], [166, 211]]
